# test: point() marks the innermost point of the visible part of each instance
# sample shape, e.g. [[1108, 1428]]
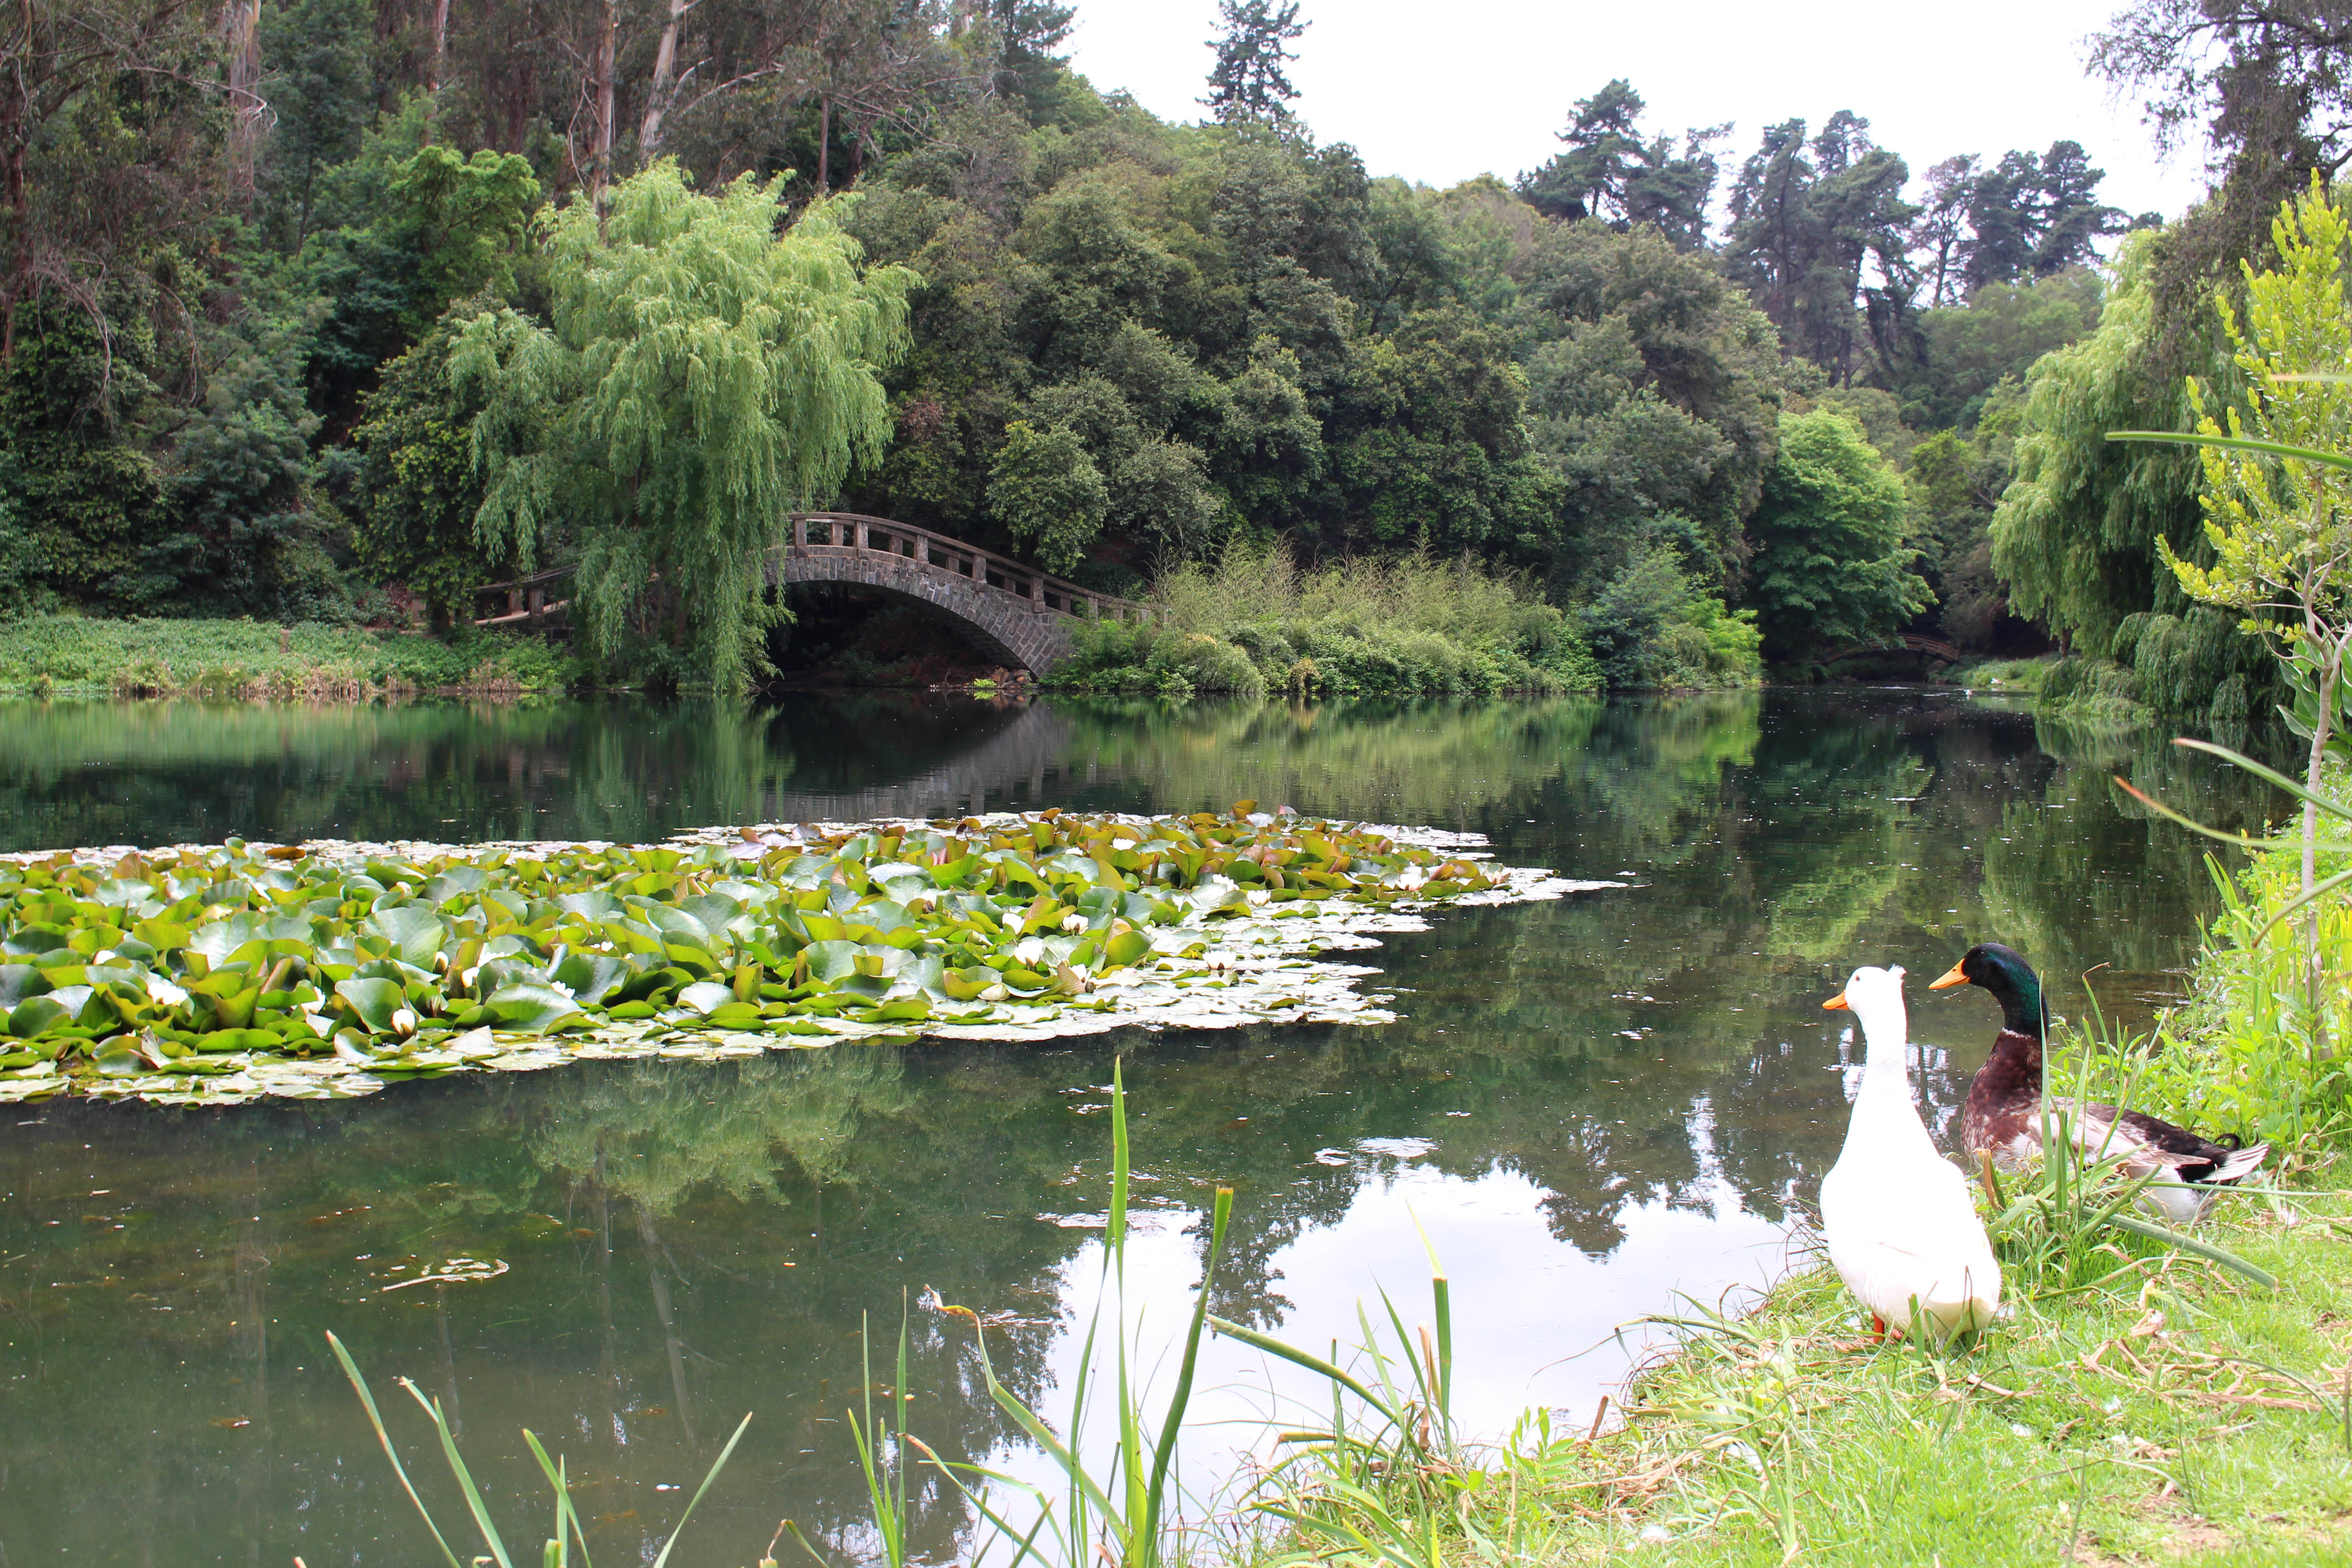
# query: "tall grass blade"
[[481, 1513], [1182, 1396], [2239, 759], [716, 1466], [1025, 1548], [1314, 1363], [2236, 444], [563, 1508], [2171, 1237], [1114, 1234], [376, 1419]]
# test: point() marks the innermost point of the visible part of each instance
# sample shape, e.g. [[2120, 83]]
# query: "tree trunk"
[[657, 98], [242, 22], [600, 174], [19, 284], [434, 64], [824, 145]]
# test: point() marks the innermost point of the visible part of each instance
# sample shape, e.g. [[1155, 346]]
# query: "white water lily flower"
[[467, 979], [164, 993], [104, 955], [563, 990], [1028, 950], [404, 1021], [1256, 896], [1073, 923]]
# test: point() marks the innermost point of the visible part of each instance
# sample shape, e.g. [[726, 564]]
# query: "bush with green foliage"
[[416, 489], [1831, 564], [1652, 628], [1408, 625]]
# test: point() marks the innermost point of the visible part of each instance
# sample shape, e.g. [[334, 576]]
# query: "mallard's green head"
[[2003, 972]]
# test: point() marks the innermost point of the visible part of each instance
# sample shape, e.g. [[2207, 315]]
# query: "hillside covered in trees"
[[334, 310]]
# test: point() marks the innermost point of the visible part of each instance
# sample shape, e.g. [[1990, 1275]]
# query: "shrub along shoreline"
[[1256, 622]]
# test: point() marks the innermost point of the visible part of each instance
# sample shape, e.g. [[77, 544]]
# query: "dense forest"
[[334, 310]]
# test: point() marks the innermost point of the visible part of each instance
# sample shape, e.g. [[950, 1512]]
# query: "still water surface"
[[1591, 1105]]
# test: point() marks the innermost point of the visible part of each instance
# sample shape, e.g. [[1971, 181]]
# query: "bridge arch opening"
[[854, 629]]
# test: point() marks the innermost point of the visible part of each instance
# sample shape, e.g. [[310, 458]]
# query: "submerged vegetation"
[[200, 974]]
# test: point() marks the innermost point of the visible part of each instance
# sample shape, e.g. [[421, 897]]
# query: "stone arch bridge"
[[1014, 614]]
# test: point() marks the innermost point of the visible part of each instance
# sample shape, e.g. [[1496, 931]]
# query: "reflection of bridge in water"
[[1014, 614], [1016, 760]]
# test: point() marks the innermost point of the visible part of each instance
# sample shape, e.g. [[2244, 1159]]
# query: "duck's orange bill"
[[1837, 1004], [1951, 976]]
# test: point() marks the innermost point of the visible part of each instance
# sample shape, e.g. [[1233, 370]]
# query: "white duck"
[[1900, 1222]]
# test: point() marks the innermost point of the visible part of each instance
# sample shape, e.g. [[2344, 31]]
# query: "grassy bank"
[[70, 656], [2175, 1411], [2142, 1403]]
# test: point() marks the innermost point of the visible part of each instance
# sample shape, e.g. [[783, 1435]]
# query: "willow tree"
[[709, 371], [2073, 536]]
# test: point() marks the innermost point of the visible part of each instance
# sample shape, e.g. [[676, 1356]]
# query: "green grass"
[[1999, 675], [2181, 1414], [74, 656]]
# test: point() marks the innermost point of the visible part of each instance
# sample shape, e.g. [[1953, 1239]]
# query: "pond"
[[1593, 1106]]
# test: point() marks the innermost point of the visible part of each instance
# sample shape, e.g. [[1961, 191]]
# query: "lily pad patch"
[[216, 973]]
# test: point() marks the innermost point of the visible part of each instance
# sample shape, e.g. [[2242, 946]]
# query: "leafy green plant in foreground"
[[213, 972]]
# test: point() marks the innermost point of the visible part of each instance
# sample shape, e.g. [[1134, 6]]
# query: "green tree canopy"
[[2074, 536], [1832, 566], [703, 376]]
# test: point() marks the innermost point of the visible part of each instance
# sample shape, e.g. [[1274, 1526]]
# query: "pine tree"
[[1248, 82]]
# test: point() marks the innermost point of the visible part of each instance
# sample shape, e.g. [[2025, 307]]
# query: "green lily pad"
[[533, 1009], [374, 1000]]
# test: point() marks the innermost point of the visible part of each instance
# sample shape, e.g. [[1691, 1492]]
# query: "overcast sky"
[[1440, 92]]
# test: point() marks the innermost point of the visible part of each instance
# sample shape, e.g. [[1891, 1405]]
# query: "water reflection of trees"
[[688, 1241], [623, 769]]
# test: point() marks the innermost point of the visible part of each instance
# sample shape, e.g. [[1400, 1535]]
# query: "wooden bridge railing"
[[530, 598]]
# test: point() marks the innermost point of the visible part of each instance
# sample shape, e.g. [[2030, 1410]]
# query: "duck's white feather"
[[1900, 1222]]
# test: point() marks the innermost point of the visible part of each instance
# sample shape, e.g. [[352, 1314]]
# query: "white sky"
[[1440, 93]]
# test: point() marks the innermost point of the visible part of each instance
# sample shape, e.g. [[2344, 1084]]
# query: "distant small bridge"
[[1931, 647], [1014, 614]]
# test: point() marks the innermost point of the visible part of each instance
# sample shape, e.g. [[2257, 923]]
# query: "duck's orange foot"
[[1877, 1328]]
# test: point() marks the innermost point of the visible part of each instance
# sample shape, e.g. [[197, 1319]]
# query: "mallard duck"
[[2003, 1114], [1899, 1219]]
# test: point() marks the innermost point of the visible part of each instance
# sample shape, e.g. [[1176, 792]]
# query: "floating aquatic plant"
[[208, 974]]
